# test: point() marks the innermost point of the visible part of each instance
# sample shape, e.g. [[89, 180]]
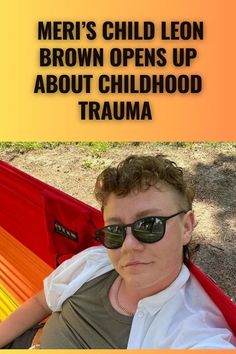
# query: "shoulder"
[[200, 325], [73, 273], [184, 317]]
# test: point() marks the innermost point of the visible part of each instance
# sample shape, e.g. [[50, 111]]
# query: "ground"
[[211, 167]]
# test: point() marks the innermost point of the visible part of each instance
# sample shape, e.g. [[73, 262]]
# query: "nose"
[[130, 242]]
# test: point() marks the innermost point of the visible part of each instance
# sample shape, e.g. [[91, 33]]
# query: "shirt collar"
[[154, 303]]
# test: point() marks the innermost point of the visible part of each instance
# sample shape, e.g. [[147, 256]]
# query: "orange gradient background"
[[123, 351], [208, 116]]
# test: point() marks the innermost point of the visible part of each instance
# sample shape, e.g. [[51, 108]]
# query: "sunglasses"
[[147, 230]]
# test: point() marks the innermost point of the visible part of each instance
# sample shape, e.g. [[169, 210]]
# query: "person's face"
[[154, 265]]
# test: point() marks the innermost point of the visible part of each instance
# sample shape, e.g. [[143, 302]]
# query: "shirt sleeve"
[[65, 280], [222, 341]]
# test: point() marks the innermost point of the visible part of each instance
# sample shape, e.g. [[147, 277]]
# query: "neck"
[[136, 291], [121, 307], [124, 295]]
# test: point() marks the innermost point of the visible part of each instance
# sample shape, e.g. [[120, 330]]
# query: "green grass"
[[98, 148], [87, 163], [27, 146]]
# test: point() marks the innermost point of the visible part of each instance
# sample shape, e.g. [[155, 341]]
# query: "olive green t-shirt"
[[88, 320]]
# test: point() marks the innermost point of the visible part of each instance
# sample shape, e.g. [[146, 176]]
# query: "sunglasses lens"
[[146, 230], [149, 230], [112, 236]]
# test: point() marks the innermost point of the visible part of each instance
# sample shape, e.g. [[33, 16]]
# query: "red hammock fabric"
[[55, 226], [43, 218], [222, 301]]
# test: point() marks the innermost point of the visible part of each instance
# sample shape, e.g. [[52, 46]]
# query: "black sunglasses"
[[147, 230]]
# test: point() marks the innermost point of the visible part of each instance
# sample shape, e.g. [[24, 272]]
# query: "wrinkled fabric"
[[180, 317]]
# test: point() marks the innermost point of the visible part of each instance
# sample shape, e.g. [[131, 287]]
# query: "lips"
[[135, 263]]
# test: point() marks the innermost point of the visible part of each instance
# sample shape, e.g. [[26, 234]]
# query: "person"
[[133, 291]]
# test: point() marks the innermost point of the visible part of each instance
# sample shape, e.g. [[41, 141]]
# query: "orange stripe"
[[21, 271]]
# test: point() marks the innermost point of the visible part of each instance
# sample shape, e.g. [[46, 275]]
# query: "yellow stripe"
[[8, 303]]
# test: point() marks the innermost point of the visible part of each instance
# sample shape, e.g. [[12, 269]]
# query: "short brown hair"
[[139, 173]]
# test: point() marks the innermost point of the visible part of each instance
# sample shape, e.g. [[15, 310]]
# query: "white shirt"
[[180, 317]]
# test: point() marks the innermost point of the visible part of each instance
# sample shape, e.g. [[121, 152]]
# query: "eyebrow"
[[139, 215], [149, 212]]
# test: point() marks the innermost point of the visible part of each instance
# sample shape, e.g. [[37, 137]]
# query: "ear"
[[189, 223]]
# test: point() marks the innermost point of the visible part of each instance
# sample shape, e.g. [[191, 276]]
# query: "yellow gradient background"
[[208, 116]]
